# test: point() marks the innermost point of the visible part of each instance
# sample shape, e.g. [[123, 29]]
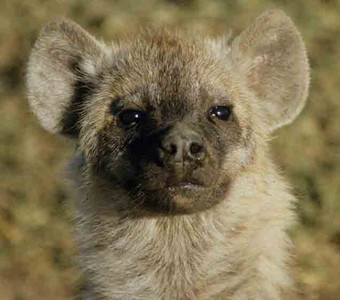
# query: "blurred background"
[[37, 248]]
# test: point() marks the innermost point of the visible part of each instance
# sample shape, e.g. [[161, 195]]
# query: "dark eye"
[[220, 112], [130, 117]]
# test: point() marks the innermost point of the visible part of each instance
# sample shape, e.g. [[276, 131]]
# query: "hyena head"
[[169, 119]]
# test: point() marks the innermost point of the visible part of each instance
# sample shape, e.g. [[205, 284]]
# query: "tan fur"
[[236, 249]]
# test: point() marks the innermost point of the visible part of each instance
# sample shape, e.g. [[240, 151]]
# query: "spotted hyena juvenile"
[[178, 195]]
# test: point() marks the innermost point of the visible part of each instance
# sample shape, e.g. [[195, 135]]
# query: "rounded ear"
[[63, 61], [271, 55]]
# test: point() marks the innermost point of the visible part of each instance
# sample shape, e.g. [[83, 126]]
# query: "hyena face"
[[169, 119], [167, 122]]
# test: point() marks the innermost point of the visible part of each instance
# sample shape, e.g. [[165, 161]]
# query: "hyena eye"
[[130, 117], [220, 112]]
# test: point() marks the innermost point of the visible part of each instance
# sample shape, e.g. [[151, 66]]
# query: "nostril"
[[173, 149], [169, 147], [195, 148]]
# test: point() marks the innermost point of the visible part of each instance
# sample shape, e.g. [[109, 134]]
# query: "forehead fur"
[[176, 63]]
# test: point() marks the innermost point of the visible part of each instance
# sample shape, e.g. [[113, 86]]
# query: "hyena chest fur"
[[168, 258]]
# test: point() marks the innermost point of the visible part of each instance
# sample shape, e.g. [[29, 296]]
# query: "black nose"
[[184, 146]]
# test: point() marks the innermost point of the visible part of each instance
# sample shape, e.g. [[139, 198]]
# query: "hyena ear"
[[63, 61], [271, 55]]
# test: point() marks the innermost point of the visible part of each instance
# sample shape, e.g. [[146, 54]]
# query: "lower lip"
[[188, 187]]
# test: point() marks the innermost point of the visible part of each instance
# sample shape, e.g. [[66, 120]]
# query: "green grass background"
[[37, 248]]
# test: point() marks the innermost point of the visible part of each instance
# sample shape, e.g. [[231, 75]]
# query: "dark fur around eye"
[[115, 106]]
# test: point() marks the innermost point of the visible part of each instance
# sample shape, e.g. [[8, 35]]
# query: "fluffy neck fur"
[[236, 250]]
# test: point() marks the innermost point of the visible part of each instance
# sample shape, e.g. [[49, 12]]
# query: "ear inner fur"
[[61, 64], [271, 55]]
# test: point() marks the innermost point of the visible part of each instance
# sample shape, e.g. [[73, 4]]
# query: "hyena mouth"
[[185, 185]]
